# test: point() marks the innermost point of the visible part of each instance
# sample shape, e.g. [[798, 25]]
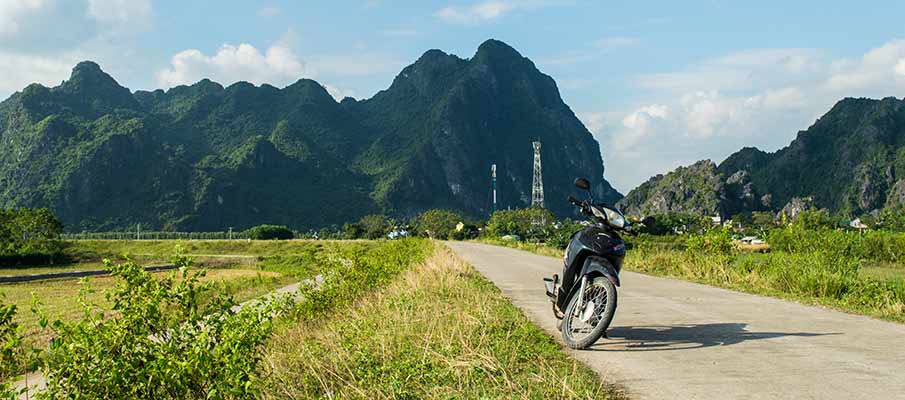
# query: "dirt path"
[[679, 340]]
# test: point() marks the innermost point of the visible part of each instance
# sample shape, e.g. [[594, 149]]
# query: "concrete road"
[[677, 340]]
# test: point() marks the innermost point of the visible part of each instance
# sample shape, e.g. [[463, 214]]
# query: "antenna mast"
[[493, 186], [537, 186]]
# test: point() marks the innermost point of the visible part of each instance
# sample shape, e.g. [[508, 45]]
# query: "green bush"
[[157, 342], [270, 232]]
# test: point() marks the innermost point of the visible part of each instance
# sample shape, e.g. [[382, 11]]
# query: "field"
[[400, 319]]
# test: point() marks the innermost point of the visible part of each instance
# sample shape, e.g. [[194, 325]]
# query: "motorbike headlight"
[[614, 218]]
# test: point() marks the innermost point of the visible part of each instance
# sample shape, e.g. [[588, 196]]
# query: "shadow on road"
[[684, 337]]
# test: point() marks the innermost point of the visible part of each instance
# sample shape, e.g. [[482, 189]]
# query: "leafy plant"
[[157, 341], [10, 347]]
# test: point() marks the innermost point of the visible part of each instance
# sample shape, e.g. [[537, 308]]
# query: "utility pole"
[[493, 187], [537, 185], [138, 232], [230, 233]]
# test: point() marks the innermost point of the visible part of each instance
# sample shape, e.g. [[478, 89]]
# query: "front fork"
[[580, 294]]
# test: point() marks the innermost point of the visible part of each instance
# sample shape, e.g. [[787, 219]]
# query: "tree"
[[762, 219], [375, 226], [529, 223], [270, 232], [438, 224]]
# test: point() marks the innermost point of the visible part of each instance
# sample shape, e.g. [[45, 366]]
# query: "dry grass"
[[440, 330]]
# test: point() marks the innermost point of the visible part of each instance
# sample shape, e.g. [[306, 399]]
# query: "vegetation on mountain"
[[207, 158]]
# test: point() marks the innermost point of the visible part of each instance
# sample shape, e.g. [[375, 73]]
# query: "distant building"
[[857, 224]]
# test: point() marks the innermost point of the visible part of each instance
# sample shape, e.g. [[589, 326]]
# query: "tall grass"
[[817, 277], [440, 331]]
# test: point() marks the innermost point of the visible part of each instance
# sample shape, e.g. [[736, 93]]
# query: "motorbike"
[[584, 296]]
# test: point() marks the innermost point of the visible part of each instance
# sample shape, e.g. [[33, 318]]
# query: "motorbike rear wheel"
[[583, 327]]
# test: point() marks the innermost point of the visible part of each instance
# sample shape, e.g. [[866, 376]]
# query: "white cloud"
[[758, 97], [121, 12], [276, 65], [20, 70], [13, 11], [594, 121], [878, 69], [486, 10]]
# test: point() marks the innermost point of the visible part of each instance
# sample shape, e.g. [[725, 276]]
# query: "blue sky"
[[659, 83]]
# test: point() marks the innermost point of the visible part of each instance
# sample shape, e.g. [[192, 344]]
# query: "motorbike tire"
[[605, 319]]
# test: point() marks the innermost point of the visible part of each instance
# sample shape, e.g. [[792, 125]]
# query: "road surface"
[[678, 340]]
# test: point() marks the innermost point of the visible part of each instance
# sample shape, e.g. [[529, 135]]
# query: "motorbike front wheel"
[[583, 326]]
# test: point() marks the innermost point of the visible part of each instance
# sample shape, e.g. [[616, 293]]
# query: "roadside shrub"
[[530, 223], [10, 342], [716, 241], [270, 232], [438, 224], [158, 342]]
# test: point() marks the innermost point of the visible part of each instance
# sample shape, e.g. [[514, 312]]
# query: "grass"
[[817, 278], [439, 330]]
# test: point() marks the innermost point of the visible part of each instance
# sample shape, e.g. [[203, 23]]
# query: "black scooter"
[[584, 298]]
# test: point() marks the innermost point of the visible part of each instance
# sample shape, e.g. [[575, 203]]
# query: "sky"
[[658, 83]]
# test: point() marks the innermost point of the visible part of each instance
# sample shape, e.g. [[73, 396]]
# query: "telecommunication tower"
[[537, 185], [493, 186]]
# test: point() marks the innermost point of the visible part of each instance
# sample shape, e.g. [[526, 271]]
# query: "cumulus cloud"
[[232, 63], [276, 65], [877, 69]]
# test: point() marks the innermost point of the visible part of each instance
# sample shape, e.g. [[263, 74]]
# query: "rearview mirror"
[[582, 183]]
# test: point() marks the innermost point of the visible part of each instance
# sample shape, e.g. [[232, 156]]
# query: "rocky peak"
[[95, 89]]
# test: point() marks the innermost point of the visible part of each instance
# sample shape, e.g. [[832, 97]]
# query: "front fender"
[[593, 265], [602, 266]]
